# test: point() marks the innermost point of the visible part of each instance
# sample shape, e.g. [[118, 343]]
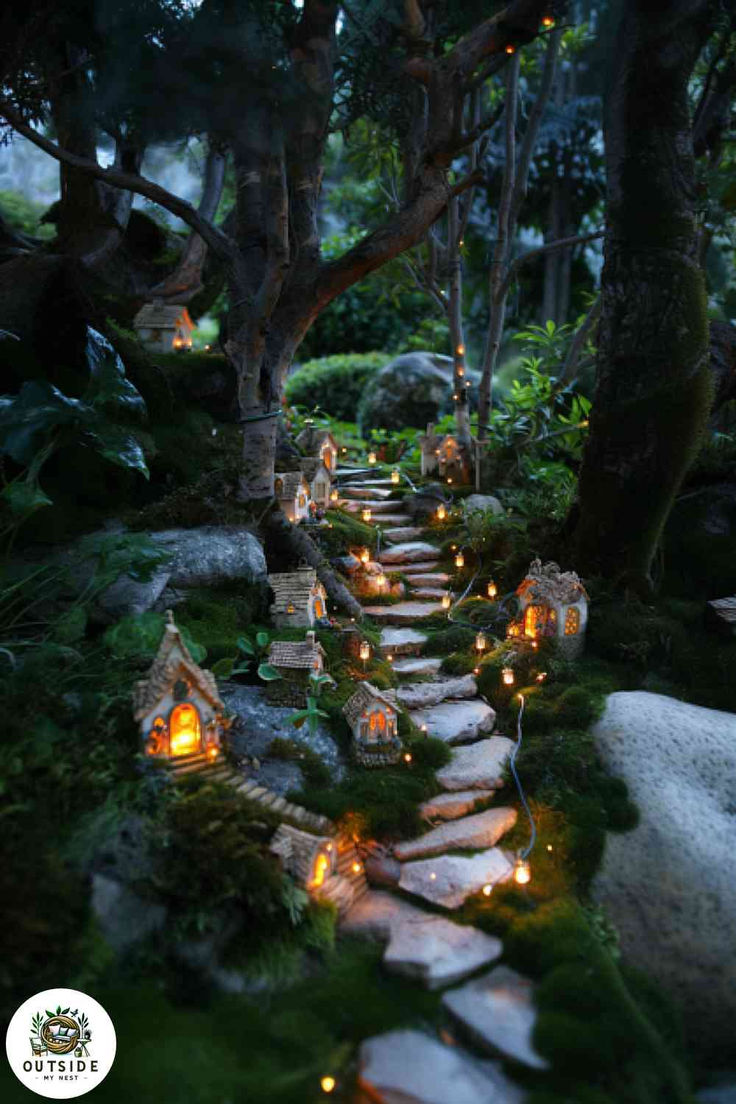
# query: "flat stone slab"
[[421, 695], [471, 832], [409, 1067], [498, 1011], [450, 806], [438, 952], [477, 767], [376, 506], [410, 552], [427, 593], [403, 613], [420, 566], [402, 533], [456, 722], [419, 665], [402, 641], [429, 579], [448, 880], [367, 490], [374, 914]]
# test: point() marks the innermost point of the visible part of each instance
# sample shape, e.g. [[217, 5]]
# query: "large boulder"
[[669, 886], [414, 389]]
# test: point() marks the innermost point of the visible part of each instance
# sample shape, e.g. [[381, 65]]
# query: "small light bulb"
[[541, 676], [476, 670], [381, 580], [327, 1084], [446, 601], [365, 556], [548, 21], [460, 350], [460, 560], [480, 642], [334, 496], [549, 847], [395, 475], [522, 872], [407, 757], [487, 889], [433, 877], [356, 868], [372, 458], [423, 728], [510, 49], [389, 659], [441, 513], [449, 480], [460, 371], [492, 590], [507, 675], [366, 515]]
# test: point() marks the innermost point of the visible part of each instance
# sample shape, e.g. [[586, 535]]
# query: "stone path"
[[459, 856]]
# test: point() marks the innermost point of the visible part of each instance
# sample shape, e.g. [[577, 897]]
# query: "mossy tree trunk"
[[653, 390]]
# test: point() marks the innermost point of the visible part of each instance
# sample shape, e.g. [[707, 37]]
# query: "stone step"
[[412, 1067], [450, 806], [480, 766], [426, 948], [402, 613], [470, 833], [402, 533], [426, 593], [498, 1010], [456, 722], [428, 578], [368, 490], [410, 552], [422, 695], [393, 521], [420, 665], [376, 506], [402, 642], [419, 568], [448, 880]]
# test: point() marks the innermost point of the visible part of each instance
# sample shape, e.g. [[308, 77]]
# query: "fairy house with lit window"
[[552, 604], [293, 494], [320, 481], [444, 455], [373, 720], [327, 868], [295, 661], [177, 706], [320, 444], [163, 327], [299, 598]]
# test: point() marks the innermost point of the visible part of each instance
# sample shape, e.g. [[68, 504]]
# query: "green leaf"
[[298, 719], [108, 385], [118, 445], [29, 416], [24, 497], [267, 672], [223, 668], [71, 626], [262, 639], [245, 645]]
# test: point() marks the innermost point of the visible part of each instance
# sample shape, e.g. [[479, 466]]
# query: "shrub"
[[334, 383]]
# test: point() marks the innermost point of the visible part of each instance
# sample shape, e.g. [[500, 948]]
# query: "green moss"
[[316, 772], [446, 640], [216, 618]]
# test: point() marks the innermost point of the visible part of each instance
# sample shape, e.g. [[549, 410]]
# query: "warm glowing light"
[[535, 645], [366, 515], [508, 676], [480, 642], [184, 729], [334, 496], [476, 670], [510, 49], [449, 480], [321, 866], [381, 581], [212, 751], [460, 560], [372, 457], [461, 243], [365, 650], [433, 877], [460, 350], [395, 475], [328, 847], [407, 757], [446, 601], [541, 676], [549, 847], [487, 889], [423, 728], [365, 556], [455, 397], [328, 1084], [461, 371], [492, 590], [441, 513], [548, 21], [356, 868], [522, 872]]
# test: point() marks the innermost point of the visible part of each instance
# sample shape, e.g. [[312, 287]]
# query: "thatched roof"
[[547, 584], [173, 661], [365, 696], [297, 655], [289, 484], [293, 587]]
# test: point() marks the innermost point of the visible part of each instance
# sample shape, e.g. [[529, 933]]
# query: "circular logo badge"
[[61, 1043]]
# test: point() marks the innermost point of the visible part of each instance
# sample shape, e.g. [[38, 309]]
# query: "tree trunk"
[[653, 390]]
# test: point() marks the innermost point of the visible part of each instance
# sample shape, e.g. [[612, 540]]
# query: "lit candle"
[[492, 590], [395, 475], [522, 872], [372, 457], [480, 642], [460, 560], [507, 675], [446, 601], [366, 514], [441, 513]]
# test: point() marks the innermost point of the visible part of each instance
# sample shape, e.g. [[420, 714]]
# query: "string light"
[[541, 676], [492, 590], [372, 457], [441, 513], [446, 601], [522, 872], [365, 650], [480, 642], [460, 350], [334, 496], [507, 675], [548, 21], [327, 1084], [365, 556], [510, 49], [366, 515], [460, 560], [407, 757], [487, 889]]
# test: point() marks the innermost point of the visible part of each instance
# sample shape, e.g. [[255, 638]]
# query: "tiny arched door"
[[185, 730]]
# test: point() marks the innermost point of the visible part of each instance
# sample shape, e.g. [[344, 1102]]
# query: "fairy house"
[[373, 720], [163, 327], [319, 443], [318, 865], [177, 706], [299, 598], [292, 491], [295, 661], [444, 455], [552, 603], [320, 480]]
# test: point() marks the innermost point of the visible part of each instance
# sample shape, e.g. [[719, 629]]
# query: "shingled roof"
[[163, 316], [365, 696], [297, 655], [172, 661], [291, 484], [312, 438], [310, 466], [293, 587], [550, 585]]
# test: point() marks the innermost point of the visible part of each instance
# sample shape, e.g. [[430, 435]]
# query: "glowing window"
[[327, 457], [278, 486], [319, 609], [321, 869], [535, 618], [184, 728], [572, 621], [302, 500]]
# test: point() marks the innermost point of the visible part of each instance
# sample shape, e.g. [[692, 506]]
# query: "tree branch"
[[543, 250], [132, 182]]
